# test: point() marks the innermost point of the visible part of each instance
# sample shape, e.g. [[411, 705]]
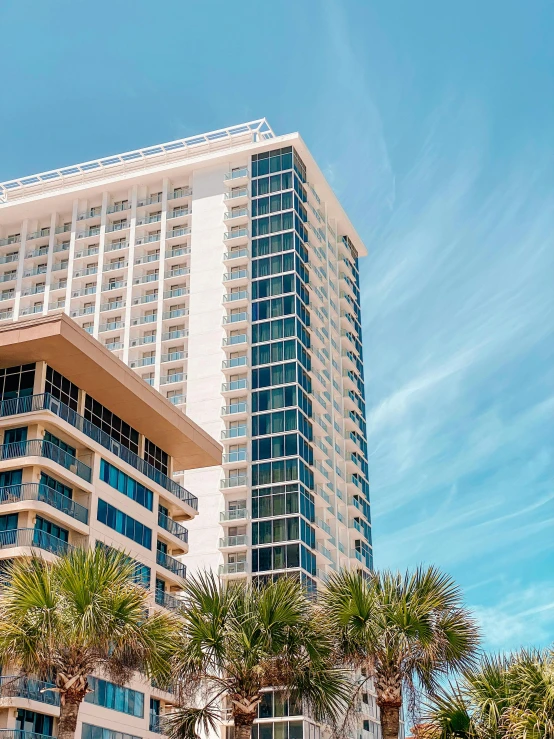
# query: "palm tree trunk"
[[243, 731], [68, 719], [390, 720]]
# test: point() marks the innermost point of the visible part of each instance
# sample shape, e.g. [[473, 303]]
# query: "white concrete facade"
[[152, 253]]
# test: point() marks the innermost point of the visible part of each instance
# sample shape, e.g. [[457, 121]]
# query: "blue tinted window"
[[126, 485]]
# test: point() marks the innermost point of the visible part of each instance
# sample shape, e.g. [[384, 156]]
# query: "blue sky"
[[433, 122]]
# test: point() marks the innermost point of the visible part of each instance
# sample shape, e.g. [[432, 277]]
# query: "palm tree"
[[79, 615], [504, 697], [403, 630], [237, 641]]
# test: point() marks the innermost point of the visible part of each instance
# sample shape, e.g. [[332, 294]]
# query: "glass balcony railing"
[[34, 538], [234, 408], [238, 193], [173, 527], [232, 297], [44, 494], [177, 399], [233, 568], [235, 362], [241, 384], [236, 174], [236, 514], [234, 433], [237, 339], [18, 686], [171, 564], [235, 234], [235, 318], [236, 481], [233, 541], [41, 448], [235, 456], [20, 734], [45, 401]]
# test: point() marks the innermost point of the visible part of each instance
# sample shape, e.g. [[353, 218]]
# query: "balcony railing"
[[232, 297], [236, 481], [173, 527], [177, 399], [234, 432], [234, 362], [33, 538], [241, 384], [168, 601], [238, 193], [171, 564], [228, 410], [45, 401], [233, 541], [19, 734], [233, 568], [43, 494], [17, 686], [237, 514], [235, 234], [41, 448], [235, 174]]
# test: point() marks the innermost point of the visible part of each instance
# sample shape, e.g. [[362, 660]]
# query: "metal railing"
[[173, 527], [18, 686], [43, 494], [168, 601], [45, 401], [171, 564], [33, 538], [41, 448]]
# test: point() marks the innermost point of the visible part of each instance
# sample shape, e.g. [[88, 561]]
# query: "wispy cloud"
[[459, 336]]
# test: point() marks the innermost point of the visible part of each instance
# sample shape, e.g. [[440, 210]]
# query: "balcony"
[[240, 297], [237, 481], [171, 564], [236, 235], [141, 320], [182, 231], [112, 326], [237, 195], [33, 538], [148, 239], [177, 399], [236, 254], [177, 213], [174, 356], [236, 214], [233, 541], [234, 408], [144, 362], [16, 406], [235, 175], [151, 218], [18, 686], [168, 601], [142, 340], [236, 432], [232, 341], [85, 272], [9, 258], [115, 265], [234, 362], [241, 384], [114, 285], [82, 312], [173, 527], [7, 295], [88, 233], [114, 345], [176, 292], [233, 568], [41, 448], [169, 379], [146, 299], [113, 227], [5, 314], [43, 494], [175, 313], [240, 455], [237, 514], [235, 318], [116, 246], [148, 258], [91, 252], [180, 192], [177, 334], [115, 305], [146, 278], [177, 272], [119, 208]]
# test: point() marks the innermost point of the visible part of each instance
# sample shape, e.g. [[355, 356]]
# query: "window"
[[54, 484], [89, 731], [61, 388], [33, 722], [124, 524], [17, 382], [43, 524], [60, 444], [116, 697], [111, 424], [126, 485]]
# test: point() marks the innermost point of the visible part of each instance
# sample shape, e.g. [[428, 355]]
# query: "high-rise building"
[[222, 269], [87, 452]]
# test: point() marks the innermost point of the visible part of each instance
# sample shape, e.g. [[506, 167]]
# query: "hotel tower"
[[223, 270]]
